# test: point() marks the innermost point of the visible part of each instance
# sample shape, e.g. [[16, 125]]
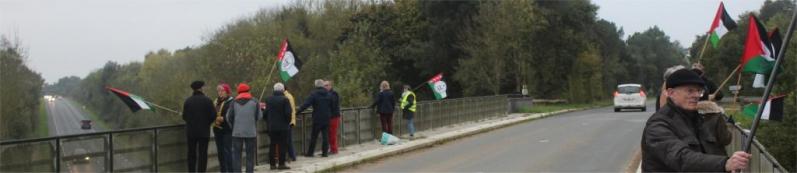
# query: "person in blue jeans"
[[221, 130], [243, 114], [408, 108]]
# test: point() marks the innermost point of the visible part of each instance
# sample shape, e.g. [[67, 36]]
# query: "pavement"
[[587, 140]]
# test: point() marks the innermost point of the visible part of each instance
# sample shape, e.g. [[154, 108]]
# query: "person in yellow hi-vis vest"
[[291, 150], [408, 108]]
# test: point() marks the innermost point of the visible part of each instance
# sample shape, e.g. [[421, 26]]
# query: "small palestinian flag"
[[722, 24], [772, 111], [134, 102], [288, 62], [438, 86]]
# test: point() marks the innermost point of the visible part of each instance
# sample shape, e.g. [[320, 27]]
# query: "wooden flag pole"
[[705, 44], [726, 80], [268, 79], [770, 83], [164, 108], [419, 86]]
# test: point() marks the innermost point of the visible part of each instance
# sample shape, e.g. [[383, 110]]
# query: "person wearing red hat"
[[221, 130], [242, 117]]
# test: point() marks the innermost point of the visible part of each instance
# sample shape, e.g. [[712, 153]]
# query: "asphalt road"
[[596, 140], [64, 119]]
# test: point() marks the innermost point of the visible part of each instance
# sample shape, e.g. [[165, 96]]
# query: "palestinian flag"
[[722, 24], [772, 111], [775, 42], [134, 102], [438, 86], [288, 62], [758, 52]]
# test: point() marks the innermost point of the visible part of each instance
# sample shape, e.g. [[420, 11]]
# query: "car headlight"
[[87, 158]]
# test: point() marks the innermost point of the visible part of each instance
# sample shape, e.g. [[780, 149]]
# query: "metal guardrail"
[[761, 160], [162, 148]]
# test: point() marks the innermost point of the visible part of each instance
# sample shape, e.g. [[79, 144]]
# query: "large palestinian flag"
[[288, 62], [438, 86], [722, 24], [134, 102], [772, 111], [758, 52]]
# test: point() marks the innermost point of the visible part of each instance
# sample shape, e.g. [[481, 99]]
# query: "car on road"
[[85, 124], [629, 96]]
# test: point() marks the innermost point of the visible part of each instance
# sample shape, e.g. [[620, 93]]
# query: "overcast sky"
[[74, 37]]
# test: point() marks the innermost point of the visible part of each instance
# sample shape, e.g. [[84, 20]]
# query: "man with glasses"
[[673, 140]]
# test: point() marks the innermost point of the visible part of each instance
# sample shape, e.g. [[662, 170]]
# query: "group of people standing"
[[233, 120]]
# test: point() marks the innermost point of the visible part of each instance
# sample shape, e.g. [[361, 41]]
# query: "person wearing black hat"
[[198, 114], [673, 140]]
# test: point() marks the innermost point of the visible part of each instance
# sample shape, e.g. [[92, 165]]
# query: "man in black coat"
[[278, 120], [673, 140], [321, 101], [198, 114]]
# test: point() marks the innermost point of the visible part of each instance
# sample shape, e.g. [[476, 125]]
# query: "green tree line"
[[20, 92], [557, 49]]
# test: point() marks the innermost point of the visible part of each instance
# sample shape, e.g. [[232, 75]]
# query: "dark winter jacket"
[[673, 141], [385, 102], [335, 103], [198, 114], [278, 112], [321, 101]]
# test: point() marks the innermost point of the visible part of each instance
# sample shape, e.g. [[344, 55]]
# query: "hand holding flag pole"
[[770, 84], [725, 81]]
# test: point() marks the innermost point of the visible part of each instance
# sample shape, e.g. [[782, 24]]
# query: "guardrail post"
[[303, 141], [110, 152], [342, 139], [155, 150], [398, 128], [357, 124], [57, 155]]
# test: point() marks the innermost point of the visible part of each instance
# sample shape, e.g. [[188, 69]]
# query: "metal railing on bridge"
[[761, 160], [163, 148]]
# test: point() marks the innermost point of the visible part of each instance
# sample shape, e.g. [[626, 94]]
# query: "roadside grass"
[[43, 128], [552, 107]]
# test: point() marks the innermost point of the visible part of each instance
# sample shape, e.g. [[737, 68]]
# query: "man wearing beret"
[[671, 140], [198, 114]]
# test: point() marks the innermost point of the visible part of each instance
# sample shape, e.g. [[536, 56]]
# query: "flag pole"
[[268, 79], [726, 80], [705, 44], [419, 86], [164, 108], [770, 84]]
